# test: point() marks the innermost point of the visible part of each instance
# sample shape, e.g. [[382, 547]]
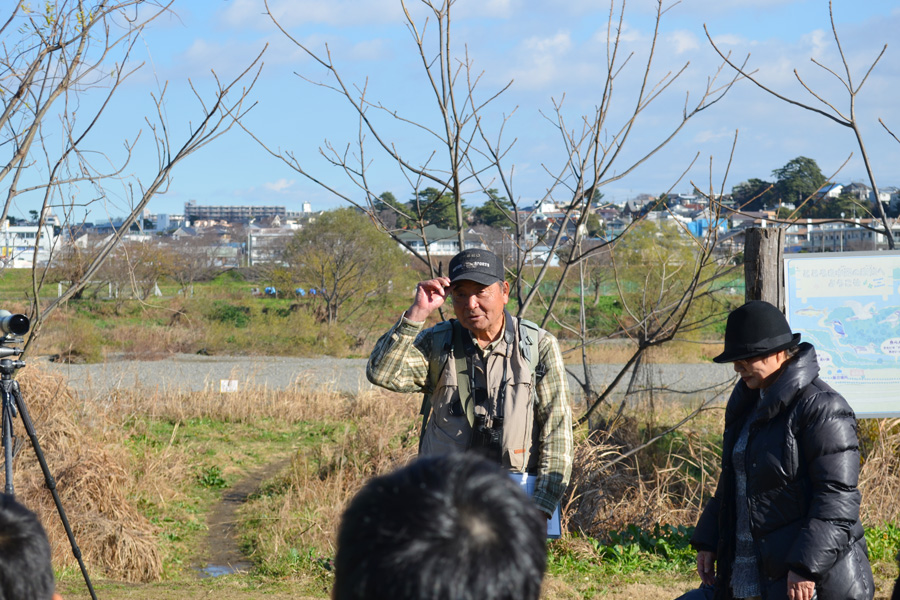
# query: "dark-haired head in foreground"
[[25, 569], [448, 527], [896, 595]]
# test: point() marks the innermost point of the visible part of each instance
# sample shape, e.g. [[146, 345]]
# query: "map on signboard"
[[848, 306]]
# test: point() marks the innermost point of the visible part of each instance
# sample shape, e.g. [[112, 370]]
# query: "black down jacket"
[[802, 466]]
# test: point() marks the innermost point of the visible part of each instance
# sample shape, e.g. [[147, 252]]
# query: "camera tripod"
[[14, 405]]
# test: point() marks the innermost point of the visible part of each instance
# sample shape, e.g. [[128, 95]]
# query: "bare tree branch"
[[838, 117]]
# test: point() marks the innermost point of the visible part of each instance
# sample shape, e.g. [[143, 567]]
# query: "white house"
[[441, 242], [17, 244], [833, 190]]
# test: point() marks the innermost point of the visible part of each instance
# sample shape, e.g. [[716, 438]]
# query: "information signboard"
[[848, 306]]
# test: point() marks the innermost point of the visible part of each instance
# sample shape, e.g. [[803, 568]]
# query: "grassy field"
[[221, 316], [141, 475]]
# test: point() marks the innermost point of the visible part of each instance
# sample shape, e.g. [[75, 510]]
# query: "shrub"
[[229, 314]]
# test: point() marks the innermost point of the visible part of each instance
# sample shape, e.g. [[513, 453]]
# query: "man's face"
[[478, 307], [761, 371]]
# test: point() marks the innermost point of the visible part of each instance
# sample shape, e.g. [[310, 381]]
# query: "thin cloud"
[[731, 40], [370, 50], [543, 60], [704, 8], [683, 41], [819, 43], [481, 9], [717, 135], [279, 186], [628, 33], [294, 13]]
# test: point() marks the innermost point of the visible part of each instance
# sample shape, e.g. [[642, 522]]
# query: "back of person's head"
[[451, 527], [25, 569]]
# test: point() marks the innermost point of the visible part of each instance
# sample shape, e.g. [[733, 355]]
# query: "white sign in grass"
[[228, 385], [847, 305]]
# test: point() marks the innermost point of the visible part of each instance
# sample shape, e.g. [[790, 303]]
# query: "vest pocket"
[[446, 432], [518, 425]]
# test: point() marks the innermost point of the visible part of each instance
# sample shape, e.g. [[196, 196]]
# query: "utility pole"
[[763, 273]]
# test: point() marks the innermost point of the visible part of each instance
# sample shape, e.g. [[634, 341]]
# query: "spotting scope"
[[14, 324]]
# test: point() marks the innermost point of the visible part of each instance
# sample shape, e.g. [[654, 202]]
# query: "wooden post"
[[763, 273]]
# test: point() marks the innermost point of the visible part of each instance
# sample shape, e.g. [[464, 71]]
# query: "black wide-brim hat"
[[756, 329]]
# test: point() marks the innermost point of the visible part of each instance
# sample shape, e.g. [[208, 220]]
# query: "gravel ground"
[[187, 372]]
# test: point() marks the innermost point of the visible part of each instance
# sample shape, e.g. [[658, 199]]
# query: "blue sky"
[[549, 49]]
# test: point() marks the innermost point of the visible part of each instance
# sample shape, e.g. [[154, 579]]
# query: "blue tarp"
[[699, 227]]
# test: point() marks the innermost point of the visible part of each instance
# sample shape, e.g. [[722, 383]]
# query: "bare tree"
[[846, 117], [70, 264], [60, 66], [193, 260], [470, 158], [134, 269]]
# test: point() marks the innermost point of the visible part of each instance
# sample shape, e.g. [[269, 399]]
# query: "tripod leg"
[[8, 410], [51, 483]]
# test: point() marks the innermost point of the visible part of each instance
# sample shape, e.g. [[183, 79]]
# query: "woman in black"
[[784, 521]]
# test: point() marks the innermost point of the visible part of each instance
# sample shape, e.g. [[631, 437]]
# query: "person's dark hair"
[[791, 353], [448, 527], [896, 594], [25, 569]]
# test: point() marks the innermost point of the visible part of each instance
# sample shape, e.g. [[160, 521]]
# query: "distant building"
[[864, 234], [833, 190], [194, 212], [817, 235], [440, 242], [17, 244]]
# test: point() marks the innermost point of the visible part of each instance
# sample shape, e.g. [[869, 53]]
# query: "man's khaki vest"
[[446, 433]]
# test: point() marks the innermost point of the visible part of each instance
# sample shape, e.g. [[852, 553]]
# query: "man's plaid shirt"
[[399, 363]]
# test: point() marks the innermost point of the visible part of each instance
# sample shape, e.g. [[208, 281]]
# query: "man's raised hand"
[[430, 295]]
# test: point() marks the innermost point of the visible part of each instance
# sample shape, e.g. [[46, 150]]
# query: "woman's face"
[[760, 372]]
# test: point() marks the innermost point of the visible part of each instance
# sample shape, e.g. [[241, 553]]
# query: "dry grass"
[[357, 437], [617, 352], [95, 480], [378, 434], [670, 481], [879, 478], [100, 480], [139, 342], [664, 483], [303, 402]]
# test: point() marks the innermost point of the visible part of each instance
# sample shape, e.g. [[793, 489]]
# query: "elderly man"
[[493, 384]]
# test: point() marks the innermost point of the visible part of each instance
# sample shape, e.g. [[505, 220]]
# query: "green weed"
[[667, 545], [211, 477], [883, 542]]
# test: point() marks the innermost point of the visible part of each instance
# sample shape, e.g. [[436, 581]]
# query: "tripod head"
[[14, 327]]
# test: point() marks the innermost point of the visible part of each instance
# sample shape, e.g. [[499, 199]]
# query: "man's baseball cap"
[[480, 266]]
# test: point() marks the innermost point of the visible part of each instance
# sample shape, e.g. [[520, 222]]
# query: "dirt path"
[[222, 553]]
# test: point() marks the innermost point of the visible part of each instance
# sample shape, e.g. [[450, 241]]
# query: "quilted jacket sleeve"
[[706, 534], [829, 447]]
